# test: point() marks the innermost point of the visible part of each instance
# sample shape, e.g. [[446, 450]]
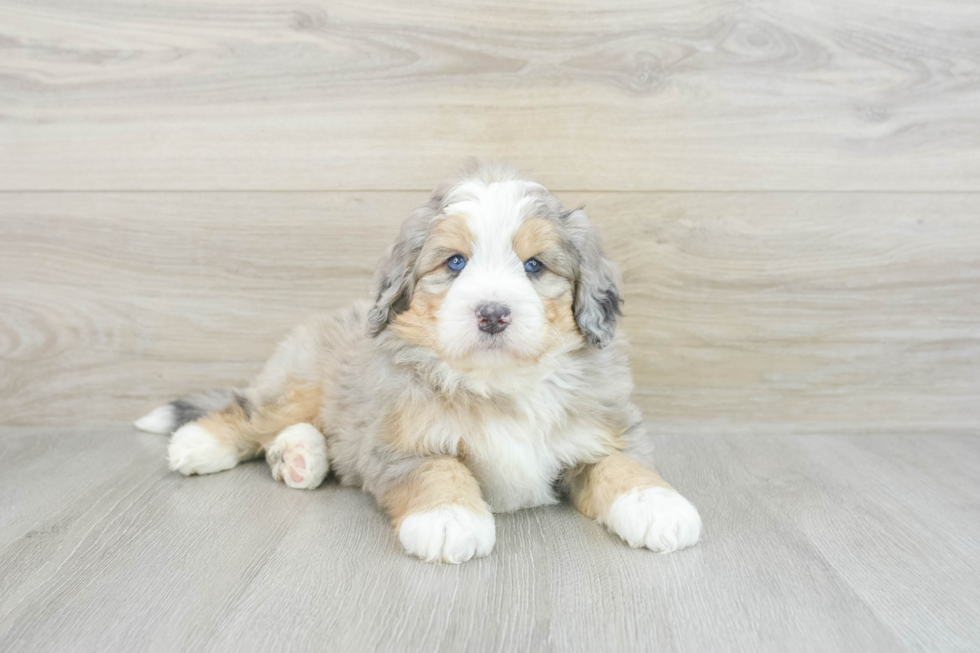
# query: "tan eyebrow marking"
[[454, 233], [535, 236]]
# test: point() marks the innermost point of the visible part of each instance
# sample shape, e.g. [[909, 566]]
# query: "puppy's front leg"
[[439, 514], [634, 503]]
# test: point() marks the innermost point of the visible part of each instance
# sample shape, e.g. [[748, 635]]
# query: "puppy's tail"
[[167, 419]]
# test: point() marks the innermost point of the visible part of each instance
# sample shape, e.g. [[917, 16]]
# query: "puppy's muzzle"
[[492, 318]]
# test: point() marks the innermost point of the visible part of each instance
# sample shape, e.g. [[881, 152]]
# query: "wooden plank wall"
[[792, 189]]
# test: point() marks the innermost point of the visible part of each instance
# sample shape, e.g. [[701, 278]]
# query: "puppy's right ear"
[[393, 286], [395, 279]]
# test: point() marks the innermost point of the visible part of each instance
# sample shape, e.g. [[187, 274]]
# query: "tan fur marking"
[[562, 330], [436, 482], [558, 312], [535, 236], [418, 323], [249, 432], [594, 488]]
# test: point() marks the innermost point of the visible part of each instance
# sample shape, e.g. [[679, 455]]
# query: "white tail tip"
[[161, 420]]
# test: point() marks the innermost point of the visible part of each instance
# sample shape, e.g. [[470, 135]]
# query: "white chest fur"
[[514, 468], [518, 459]]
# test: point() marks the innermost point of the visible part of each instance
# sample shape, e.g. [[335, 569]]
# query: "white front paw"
[[193, 450], [658, 518], [448, 534], [298, 457]]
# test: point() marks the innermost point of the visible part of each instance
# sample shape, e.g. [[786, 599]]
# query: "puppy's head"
[[493, 272]]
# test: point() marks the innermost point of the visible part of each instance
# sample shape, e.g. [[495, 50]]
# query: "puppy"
[[485, 377]]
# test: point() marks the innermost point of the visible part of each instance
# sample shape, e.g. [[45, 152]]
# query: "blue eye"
[[532, 266], [456, 263]]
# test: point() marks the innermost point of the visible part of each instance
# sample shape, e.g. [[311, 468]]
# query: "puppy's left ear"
[[597, 298]]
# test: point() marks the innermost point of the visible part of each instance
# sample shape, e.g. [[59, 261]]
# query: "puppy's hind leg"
[[207, 433], [215, 442], [298, 457], [218, 430]]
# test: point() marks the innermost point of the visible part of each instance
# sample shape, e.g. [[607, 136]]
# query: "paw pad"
[[298, 457]]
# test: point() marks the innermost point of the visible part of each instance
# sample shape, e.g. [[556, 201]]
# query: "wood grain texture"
[[624, 95], [777, 311], [808, 547]]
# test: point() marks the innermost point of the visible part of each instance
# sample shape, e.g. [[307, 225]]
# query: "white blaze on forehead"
[[494, 213]]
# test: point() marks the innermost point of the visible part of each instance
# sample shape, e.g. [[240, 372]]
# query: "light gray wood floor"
[[812, 543]]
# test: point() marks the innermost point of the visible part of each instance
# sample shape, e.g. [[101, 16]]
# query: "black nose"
[[492, 318]]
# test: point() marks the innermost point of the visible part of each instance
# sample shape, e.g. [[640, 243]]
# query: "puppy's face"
[[494, 281], [492, 276]]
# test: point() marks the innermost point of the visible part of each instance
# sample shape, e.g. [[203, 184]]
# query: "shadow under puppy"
[[485, 377]]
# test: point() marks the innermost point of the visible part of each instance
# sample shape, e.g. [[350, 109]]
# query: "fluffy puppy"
[[485, 376]]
